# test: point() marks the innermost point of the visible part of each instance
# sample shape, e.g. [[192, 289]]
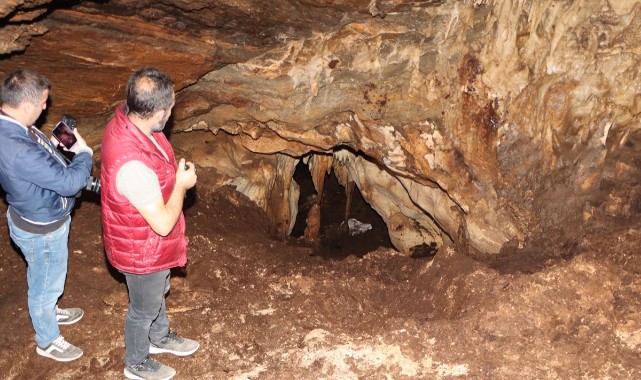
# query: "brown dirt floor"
[[267, 309]]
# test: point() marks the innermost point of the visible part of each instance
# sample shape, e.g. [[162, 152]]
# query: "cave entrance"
[[335, 241]]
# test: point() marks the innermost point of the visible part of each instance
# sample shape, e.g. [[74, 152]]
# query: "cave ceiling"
[[482, 123]]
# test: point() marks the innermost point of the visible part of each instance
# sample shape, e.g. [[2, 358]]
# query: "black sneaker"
[[60, 350], [149, 370], [68, 316], [174, 344]]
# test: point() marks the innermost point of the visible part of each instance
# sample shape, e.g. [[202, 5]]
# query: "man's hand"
[[80, 143], [161, 216], [186, 174]]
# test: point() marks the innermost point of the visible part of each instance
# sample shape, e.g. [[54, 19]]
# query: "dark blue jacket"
[[39, 188]]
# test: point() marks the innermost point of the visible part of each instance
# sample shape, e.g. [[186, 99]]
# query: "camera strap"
[[39, 137]]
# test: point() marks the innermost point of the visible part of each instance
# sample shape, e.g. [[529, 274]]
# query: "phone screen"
[[64, 135]]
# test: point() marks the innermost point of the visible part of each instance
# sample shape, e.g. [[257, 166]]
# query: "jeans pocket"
[[27, 246], [58, 233]]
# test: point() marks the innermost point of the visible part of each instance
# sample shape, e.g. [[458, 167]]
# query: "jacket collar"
[[8, 118]]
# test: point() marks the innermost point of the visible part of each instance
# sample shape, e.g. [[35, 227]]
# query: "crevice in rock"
[[335, 211]]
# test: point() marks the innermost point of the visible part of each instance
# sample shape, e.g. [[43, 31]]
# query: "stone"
[[484, 124]]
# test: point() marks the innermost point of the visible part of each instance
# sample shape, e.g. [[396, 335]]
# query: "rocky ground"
[[266, 309]]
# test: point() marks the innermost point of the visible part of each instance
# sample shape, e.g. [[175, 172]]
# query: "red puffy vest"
[[131, 245]]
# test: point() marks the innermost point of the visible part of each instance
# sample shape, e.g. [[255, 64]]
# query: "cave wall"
[[482, 123]]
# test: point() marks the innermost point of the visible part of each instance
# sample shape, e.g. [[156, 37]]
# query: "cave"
[[494, 143], [335, 220]]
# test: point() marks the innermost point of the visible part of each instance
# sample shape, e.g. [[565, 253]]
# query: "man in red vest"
[[143, 189]]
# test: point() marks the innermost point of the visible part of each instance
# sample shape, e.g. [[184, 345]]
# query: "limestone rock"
[[19, 23], [487, 124]]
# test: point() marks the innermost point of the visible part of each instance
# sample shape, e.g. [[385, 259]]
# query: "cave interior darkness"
[[335, 239]]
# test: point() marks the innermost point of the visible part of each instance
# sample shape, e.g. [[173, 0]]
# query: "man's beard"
[[161, 125]]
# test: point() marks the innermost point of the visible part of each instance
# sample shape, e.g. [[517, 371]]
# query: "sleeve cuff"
[[85, 149]]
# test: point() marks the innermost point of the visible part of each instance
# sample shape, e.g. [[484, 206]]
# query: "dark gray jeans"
[[146, 319]]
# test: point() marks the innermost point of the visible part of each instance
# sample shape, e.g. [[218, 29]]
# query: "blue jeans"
[[46, 256], [146, 319]]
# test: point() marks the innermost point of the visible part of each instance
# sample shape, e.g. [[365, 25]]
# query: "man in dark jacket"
[[40, 190], [143, 189]]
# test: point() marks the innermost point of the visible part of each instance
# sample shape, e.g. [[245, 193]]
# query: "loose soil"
[[268, 309]]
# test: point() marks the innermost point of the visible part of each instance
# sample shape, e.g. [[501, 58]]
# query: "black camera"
[[93, 184]]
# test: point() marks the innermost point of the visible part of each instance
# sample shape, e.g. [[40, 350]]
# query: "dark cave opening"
[[335, 241]]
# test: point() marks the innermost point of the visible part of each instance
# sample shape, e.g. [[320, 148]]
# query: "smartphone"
[[64, 134]]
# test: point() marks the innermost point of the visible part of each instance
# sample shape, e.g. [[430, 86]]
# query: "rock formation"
[[485, 123]]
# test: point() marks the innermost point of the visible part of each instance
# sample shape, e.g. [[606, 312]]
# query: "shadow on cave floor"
[[335, 241]]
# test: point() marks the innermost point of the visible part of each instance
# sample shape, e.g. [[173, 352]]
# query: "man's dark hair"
[[23, 85], [149, 90]]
